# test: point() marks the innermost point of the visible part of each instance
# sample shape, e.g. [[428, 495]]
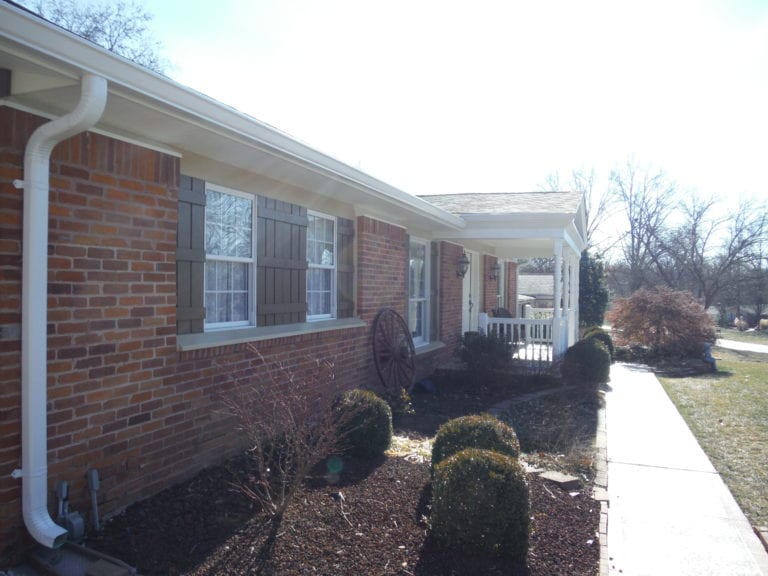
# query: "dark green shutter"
[[345, 268], [190, 256], [434, 291], [281, 270]]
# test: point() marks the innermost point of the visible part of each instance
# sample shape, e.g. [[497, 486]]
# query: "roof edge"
[[59, 46]]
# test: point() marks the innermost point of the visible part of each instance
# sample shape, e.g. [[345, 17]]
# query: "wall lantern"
[[495, 269], [462, 265]]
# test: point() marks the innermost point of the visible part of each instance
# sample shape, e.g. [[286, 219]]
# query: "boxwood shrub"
[[586, 363], [367, 427], [599, 334], [480, 504], [474, 431]]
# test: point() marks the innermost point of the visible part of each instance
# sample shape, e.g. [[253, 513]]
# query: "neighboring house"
[[150, 235], [539, 288]]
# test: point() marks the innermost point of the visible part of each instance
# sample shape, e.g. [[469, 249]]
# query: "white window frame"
[[424, 338], [332, 268], [251, 261]]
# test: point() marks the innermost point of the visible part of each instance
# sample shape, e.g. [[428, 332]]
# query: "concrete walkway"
[[744, 346], [669, 511]]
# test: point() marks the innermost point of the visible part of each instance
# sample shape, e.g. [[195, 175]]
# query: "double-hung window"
[[229, 258], [418, 291], [321, 273]]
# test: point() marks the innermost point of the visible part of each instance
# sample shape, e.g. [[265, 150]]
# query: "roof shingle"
[[508, 202]]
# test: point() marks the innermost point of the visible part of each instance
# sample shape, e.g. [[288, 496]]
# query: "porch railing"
[[530, 338]]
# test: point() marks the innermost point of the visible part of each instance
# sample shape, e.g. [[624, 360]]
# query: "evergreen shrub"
[[586, 363], [480, 504], [474, 431], [367, 426]]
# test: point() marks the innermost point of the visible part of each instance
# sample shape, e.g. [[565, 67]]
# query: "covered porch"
[[510, 228]]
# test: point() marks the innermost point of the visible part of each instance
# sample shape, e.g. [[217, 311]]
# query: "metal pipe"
[[93, 487], [34, 309]]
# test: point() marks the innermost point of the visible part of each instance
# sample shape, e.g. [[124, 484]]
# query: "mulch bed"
[[375, 520]]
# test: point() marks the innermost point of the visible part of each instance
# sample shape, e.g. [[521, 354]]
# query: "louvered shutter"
[[345, 268], [190, 256]]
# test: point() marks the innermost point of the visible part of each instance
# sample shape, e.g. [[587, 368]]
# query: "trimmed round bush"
[[475, 431], [586, 363], [599, 334], [367, 424], [480, 504]]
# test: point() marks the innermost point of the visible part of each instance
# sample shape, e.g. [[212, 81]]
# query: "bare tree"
[[121, 27], [538, 266], [703, 253], [646, 199], [599, 206]]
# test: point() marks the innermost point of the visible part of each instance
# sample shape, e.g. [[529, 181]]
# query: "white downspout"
[[34, 307]]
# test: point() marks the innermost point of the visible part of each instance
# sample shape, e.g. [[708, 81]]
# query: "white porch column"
[[575, 301], [557, 348], [567, 284], [558, 296], [573, 323]]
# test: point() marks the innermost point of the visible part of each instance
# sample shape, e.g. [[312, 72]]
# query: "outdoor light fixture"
[[462, 265], [495, 269]]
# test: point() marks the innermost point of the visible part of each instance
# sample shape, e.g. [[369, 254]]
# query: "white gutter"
[[34, 309]]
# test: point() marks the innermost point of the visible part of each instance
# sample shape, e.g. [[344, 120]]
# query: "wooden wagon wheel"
[[393, 351]]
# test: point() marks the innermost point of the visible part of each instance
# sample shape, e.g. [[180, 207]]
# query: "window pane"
[[239, 307], [320, 234], [226, 291], [222, 276], [240, 277], [416, 318], [417, 281], [210, 275], [211, 312], [319, 292], [228, 225]]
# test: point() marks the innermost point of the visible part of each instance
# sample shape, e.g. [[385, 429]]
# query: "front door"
[[471, 293]]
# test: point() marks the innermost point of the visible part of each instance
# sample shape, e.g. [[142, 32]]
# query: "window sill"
[[429, 347], [187, 342]]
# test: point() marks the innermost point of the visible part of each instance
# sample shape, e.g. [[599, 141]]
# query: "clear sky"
[[474, 96]]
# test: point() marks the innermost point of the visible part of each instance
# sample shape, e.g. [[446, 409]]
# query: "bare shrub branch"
[[288, 418]]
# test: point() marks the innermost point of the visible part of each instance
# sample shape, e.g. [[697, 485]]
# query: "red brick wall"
[[111, 302], [382, 265], [450, 295], [490, 287], [121, 398]]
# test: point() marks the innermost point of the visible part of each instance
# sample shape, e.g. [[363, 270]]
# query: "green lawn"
[[752, 336], [728, 414]]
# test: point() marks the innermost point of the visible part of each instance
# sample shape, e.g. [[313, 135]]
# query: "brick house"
[[149, 234]]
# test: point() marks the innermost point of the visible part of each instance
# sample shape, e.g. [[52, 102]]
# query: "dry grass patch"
[[728, 413]]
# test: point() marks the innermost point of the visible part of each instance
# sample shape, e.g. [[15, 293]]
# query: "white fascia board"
[[69, 55], [510, 234], [575, 239]]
